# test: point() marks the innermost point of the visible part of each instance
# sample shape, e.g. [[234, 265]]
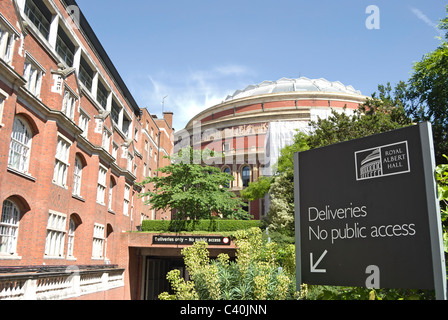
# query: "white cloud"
[[426, 20], [191, 92]]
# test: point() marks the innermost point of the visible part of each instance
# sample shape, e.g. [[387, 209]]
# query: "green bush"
[[256, 274], [198, 225]]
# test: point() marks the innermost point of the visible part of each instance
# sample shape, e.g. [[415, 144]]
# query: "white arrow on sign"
[[314, 265]]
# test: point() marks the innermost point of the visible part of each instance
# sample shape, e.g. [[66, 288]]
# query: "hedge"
[[198, 225]]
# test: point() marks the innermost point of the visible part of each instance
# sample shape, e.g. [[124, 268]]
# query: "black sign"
[[189, 240], [366, 213]]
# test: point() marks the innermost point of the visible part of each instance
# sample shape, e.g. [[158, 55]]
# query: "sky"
[[197, 52]]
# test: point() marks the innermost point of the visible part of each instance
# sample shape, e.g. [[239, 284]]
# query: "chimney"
[[168, 116]]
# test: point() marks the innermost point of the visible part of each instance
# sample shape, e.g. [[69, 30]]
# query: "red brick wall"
[[36, 194]]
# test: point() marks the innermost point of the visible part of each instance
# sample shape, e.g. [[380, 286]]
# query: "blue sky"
[[199, 51]]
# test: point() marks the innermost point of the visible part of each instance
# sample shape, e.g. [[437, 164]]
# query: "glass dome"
[[292, 85]]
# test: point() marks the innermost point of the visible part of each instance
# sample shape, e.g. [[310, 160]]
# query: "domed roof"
[[292, 85]]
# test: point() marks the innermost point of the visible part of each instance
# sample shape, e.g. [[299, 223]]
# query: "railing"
[[64, 52], [85, 78], [37, 18], [59, 285], [101, 98]]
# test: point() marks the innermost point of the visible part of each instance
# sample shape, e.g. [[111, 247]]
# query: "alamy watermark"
[[74, 16], [373, 20]]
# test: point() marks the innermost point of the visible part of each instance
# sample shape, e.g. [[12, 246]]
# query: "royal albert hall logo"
[[382, 161]]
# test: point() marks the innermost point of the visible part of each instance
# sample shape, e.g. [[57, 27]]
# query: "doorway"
[[155, 271]]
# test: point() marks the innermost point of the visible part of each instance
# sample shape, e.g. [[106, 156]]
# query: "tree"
[[442, 188], [381, 113], [429, 96], [193, 191], [281, 209], [256, 190], [427, 93]]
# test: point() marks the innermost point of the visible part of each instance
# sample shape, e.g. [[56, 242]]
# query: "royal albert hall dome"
[[252, 125], [292, 85]]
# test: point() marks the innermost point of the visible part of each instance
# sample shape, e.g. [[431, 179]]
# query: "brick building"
[[73, 146]]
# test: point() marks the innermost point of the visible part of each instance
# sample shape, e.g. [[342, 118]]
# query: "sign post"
[[367, 213]]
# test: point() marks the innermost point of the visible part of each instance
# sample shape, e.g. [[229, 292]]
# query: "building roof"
[[85, 26], [292, 85]]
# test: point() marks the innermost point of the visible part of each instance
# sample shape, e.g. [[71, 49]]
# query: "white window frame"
[[62, 164], [9, 228], [71, 239], [56, 231], [3, 97], [33, 73], [20, 146], [77, 176], [111, 194], [115, 150], [130, 160], [101, 188], [107, 136], [7, 43], [84, 122], [98, 241], [127, 192], [69, 103]]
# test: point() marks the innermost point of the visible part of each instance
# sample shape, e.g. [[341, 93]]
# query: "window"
[[39, 15], [125, 126], [246, 176], [114, 150], [98, 241], [61, 162], [86, 74], [64, 47], [68, 104], [112, 184], [127, 190], [6, 44], [106, 139], [71, 238], [77, 176], [227, 170], [129, 164], [101, 190], [19, 151], [84, 123], [33, 75], [115, 112], [2, 104], [102, 94], [9, 227], [54, 244]]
